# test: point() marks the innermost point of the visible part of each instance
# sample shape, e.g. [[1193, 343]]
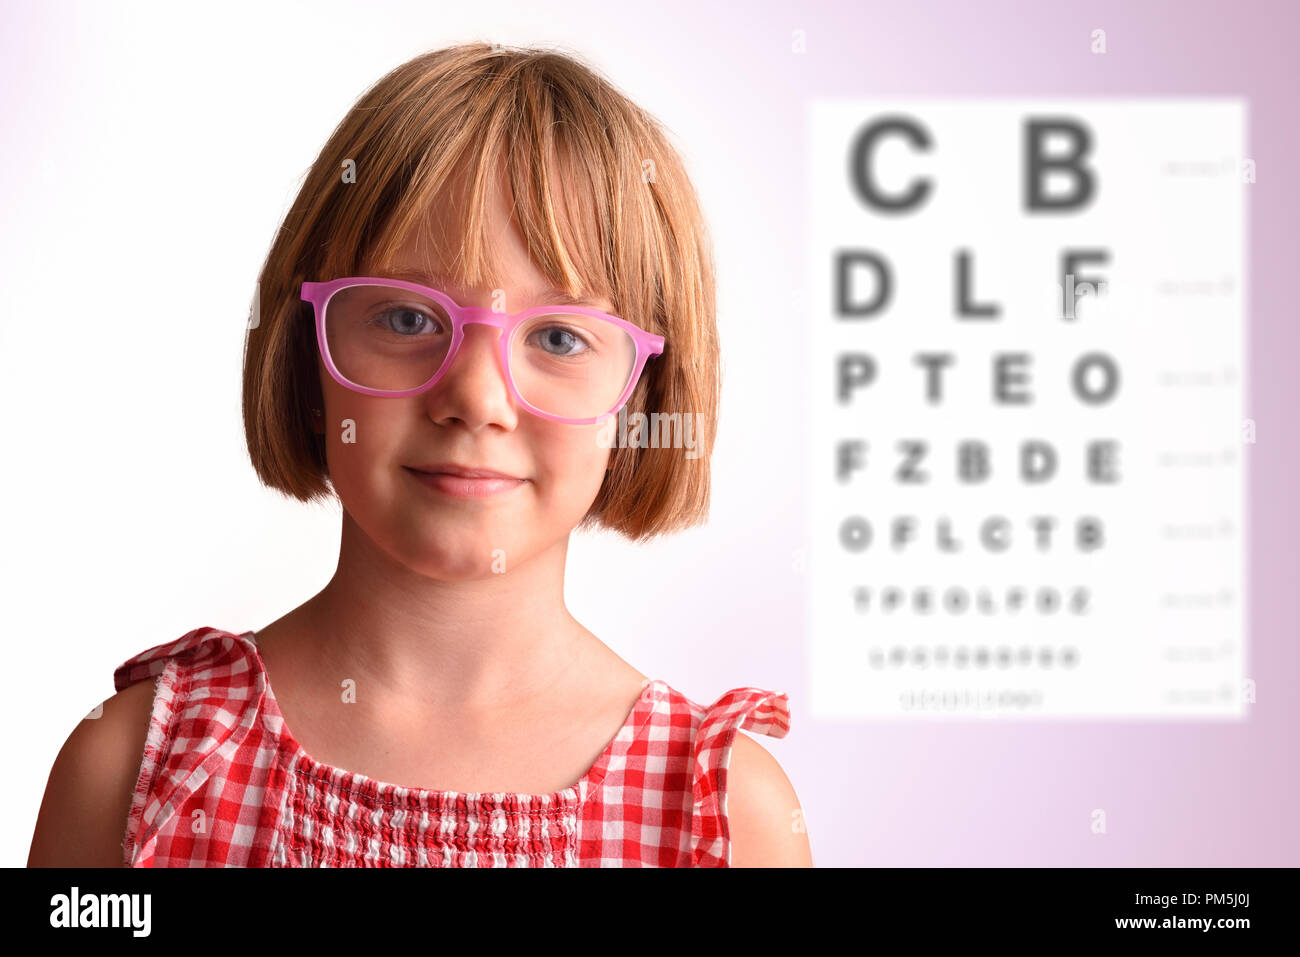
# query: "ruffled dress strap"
[[747, 709], [205, 702]]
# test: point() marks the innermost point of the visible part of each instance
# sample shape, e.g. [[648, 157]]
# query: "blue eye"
[[409, 322], [558, 341]]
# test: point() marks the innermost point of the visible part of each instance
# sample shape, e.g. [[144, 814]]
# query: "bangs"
[[565, 189]]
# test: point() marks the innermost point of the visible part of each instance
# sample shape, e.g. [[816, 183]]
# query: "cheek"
[[360, 447], [571, 467]]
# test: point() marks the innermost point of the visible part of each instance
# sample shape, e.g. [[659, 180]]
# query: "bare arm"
[[763, 812], [82, 821]]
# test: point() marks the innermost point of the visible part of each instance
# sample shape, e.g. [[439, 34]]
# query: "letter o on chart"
[[855, 533]]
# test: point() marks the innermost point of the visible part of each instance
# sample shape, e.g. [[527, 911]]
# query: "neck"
[[470, 646]]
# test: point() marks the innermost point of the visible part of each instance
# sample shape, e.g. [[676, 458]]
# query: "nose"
[[473, 389]]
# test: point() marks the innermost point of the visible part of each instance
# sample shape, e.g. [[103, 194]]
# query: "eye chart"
[[1026, 437]]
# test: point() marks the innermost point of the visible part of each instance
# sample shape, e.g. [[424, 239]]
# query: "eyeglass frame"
[[320, 293]]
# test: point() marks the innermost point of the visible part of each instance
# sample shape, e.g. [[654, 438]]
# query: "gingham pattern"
[[223, 783]]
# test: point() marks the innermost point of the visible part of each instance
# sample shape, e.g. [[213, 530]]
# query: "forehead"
[[533, 294], [522, 283]]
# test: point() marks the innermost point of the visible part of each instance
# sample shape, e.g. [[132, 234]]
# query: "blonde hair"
[[604, 207]]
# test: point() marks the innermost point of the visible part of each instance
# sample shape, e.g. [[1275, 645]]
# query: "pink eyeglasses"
[[389, 337]]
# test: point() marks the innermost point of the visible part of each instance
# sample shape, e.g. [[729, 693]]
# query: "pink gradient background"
[[722, 76], [1175, 793]]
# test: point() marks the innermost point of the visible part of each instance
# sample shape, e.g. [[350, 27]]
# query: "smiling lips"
[[462, 482]]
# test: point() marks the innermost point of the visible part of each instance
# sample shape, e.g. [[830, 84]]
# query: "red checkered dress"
[[224, 784]]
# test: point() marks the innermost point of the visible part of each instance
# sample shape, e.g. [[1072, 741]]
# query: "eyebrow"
[[549, 296]]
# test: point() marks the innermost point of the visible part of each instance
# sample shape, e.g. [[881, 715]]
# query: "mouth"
[[461, 482]]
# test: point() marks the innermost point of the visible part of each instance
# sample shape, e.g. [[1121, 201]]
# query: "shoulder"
[[83, 816], [763, 812], [97, 788]]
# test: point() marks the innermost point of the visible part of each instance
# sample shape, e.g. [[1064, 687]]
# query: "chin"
[[452, 554]]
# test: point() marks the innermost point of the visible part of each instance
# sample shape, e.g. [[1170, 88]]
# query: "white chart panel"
[[1026, 417]]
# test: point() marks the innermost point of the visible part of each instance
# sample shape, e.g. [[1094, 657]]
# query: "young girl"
[[494, 253]]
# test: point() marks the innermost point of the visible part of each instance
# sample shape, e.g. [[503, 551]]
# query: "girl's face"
[[469, 418]]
